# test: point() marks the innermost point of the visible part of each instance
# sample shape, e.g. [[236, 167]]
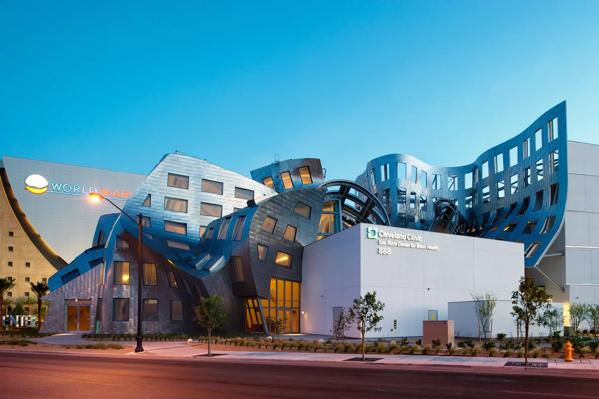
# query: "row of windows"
[[304, 174], [10, 263], [207, 186], [269, 224], [281, 258], [150, 275], [120, 309], [180, 205], [223, 230]]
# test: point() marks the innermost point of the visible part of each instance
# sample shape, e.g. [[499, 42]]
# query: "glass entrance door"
[[77, 315]]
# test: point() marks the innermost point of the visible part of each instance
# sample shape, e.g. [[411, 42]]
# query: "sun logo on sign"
[[36, 184]]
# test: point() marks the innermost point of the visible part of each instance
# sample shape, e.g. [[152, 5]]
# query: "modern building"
[[288, 248], [44, 222]]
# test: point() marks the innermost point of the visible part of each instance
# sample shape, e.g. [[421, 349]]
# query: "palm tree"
[[5, 285], [39, 289]]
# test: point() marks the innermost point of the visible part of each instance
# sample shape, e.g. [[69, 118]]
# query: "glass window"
[[290, 232], [401, 170], [539, 200], [413, 200], [146, 221], [287, 182], [423, 179], [500, 189], [177, 245], [269, 224], [554, 194], [267, 181], [526, 148], [499, 163], [302, 209], [222, 231], [527, 178], [148, 201], [176, 310], [211, 186], [414, 175], [530, 227], [539, 168], [385, 172], [203, 231], [244, 194], [486, 194], [436, 182], [514, 184], [554, 160], [548, 224], [538, 139], [210, 232], [513, 156], [175, 204], [121, 273], [468, 180], [120, 309], [237, 269], [238, 230], [530, 251], [150, 310], [150, 274], [178, 181], [172, 280], [552, 132], [485, 169], [262, 251], [305, 175], [283, 259], [175, 227], [212, 210], [452, 183]]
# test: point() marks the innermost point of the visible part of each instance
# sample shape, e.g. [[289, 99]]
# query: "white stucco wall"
[[409, 281]]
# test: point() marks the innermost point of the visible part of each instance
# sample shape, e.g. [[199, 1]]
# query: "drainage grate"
[[530, 364], [366, 359]]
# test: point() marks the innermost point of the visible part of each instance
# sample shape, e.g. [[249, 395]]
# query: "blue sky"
[[119, 84]]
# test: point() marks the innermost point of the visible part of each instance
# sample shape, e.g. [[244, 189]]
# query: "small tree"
[[5, 285], [528, 303], [276, 326], [365, 312], [342, 324], [578, 312], [39, 289], [593, 319], [484, 305], [553, 319], [211, 315]]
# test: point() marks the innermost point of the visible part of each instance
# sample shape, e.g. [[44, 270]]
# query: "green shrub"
[[415, 349], [508, 353], [520, 353], [428, 350], [493, 352], [501, 336], [381, 347]]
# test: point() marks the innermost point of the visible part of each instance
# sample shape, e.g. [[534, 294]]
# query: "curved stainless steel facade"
[[515, 191]]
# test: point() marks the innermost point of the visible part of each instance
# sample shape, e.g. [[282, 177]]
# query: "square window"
[[262, 251], [175, 227], [175, 204], [178, 181], [27, 279], [212, 210], [27, 264], [290, 232], [244, 194], [9, 263], [305, 175], [27, 294], [287, 182], [268, 182], [172, 280], [120, 309], [11, 249], [283, 259], [121, 273], [150, 310], [212, 187], [150, 274], [269, 224], [11, 234], [303, 210], [176, 310]]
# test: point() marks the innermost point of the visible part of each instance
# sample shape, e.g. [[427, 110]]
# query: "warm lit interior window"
[[150, 276], [211, 186], [283, 259], [175, 227], [121, 273], [172, 280], [305, 175], [178, 181], [212, 210], [262, 251], [267, 181], [269, 224], [150, 309], [290, 232], [175, 204], [287, 182]]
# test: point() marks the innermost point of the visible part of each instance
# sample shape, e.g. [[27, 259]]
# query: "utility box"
[[441, 330]]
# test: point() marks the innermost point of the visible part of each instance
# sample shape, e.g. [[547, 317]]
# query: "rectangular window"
[[268, 182], [513, 156], [9, 263], [486, 195], [526, 148], [468, 203], [498, 163], [401, 170], [244, 193], [175, 204], [177, 245], [212, 210], [385, 172], [262, 251], [303, 210], [237, 269], [423, 179], [287, 182], [146, 221], [283, 259], [148, 201], [121, 273], [514, 184], [554, 194], [539, 200], [538, 139], [539, 168], [150, 274], [413, 200], [212, 187], [238, 229], [290, 232], [436, 182], [305, 175], [269, 224], [176, 310], [11, 234], [372, 182], [485, 169], [452, 183], [554, 160], [552, 132], [178, 181], [548, 224], [203, 230], [468, 180], [422, 204], [120, 309], [27, 264], [414, 175], [210, 233], [150, 310], [172, 280], [175, 227], [527, 177], [500, 189], [222, 230]]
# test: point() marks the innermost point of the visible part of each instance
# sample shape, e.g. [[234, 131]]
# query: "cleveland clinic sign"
[[387, 241]]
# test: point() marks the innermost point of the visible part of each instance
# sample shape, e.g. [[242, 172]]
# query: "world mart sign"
[[38, 184], [387, 240]]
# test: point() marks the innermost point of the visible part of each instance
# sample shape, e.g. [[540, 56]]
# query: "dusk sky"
[[118, 84]]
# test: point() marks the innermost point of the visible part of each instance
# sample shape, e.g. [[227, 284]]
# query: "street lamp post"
[[97, 197]]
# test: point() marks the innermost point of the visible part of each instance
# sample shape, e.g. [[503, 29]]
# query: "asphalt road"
[[26, 375]]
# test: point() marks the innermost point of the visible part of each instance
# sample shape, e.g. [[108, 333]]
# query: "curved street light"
[[97, 198]]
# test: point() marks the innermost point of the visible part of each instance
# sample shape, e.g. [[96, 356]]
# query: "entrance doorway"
[[77, 314]]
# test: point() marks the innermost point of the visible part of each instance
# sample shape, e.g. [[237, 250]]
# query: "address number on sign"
[[384, 251]]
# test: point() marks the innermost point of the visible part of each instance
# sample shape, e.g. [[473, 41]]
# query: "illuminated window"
[[172, 280], [269, 224], [222, 231], [175, 204], [150, 310], [267, 181], [120, 309], [176, 310], [244, 194], [237, 269], [238, 229], [283, 305], [287, 182], [175, 227], [302, 210], [121, 273], [178, 181], [212, 210], [290, 232], [150, 274], [203, 231], [305, 175], [283, 259], [212, 187], [262, 251], [148, 201]]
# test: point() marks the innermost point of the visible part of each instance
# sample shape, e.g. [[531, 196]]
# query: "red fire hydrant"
[[568, 352]]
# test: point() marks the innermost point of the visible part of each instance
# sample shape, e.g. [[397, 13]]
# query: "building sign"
[[387, 241], [38, 184]]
